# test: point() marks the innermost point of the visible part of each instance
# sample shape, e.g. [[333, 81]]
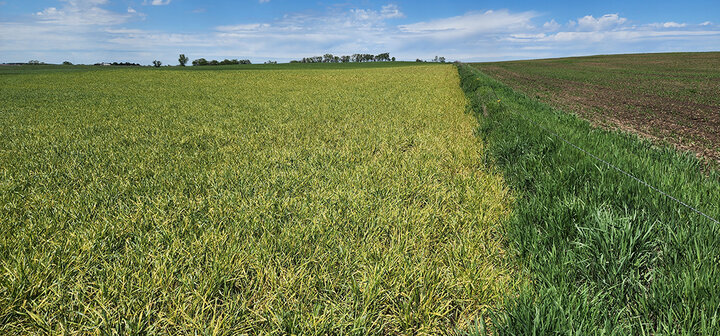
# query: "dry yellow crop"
[[280, 201]]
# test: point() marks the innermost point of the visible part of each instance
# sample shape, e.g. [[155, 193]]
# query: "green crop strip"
[[295, 201], [605, 255]]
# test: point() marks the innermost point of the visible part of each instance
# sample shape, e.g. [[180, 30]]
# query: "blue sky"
[[89, 31]]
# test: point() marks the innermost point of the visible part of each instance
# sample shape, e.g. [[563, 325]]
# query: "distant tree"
[[418, 60], [384, 57], [67, 63], [393, 59], [199, 62], [157, 63], [214, 62], [183, 59], [328, 58], [441, 59], [362, 57], [34, 62]]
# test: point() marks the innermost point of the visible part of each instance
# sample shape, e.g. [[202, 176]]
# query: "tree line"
[[113, 63], [330, 58], [202, 61], [327, 58]]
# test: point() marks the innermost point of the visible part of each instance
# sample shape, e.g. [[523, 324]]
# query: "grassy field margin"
[[604, 254]]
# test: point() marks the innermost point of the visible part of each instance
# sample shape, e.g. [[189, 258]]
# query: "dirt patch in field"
[[685, 123]]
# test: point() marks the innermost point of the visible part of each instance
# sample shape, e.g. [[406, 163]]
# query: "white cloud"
[[125, 31], [251, 27], [160, 2], [391, 12], [551, 25], [607, 21], [668, 25], [373, 16], [85, 3], [473, 23], [365, 14], [624, 36], [82, 13], [48, 12], [706, 23], [674, 25], [263, 1], [612, 34]]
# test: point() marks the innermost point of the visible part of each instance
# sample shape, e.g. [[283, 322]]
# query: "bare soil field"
[[672, 97]]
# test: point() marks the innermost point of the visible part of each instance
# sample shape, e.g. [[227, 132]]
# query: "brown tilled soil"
[[673, 98]]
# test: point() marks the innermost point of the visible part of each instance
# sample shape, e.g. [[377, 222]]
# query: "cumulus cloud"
[[607, 21], [551, 25]]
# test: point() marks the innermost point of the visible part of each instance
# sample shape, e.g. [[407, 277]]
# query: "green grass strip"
[[605, 255]]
